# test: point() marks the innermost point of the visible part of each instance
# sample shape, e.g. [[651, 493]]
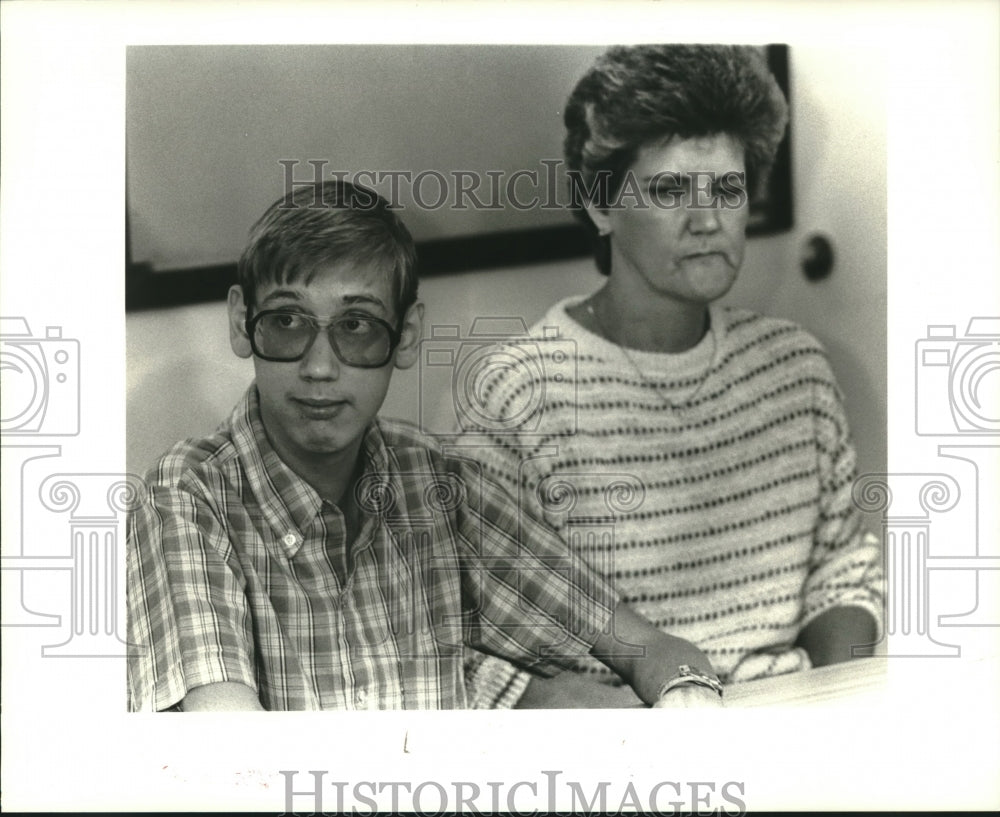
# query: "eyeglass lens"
[[357, 340]]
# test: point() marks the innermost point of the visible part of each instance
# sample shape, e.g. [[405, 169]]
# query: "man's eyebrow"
[[283, 293], [350, 300], [364, 299]]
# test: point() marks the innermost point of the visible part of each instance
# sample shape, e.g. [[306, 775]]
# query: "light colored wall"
[[839, 177], [183, 379], [200, 114]]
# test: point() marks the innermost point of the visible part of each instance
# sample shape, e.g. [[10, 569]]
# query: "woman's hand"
[[690, 696], [572, 691]]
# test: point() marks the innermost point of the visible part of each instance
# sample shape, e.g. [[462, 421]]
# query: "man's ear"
[[409, 344], [237, 323]]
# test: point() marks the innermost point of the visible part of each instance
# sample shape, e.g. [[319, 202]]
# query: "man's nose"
[[320, 361]]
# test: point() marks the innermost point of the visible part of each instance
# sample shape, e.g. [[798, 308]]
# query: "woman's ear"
[[409, 343], [237, 323], [600, 218]]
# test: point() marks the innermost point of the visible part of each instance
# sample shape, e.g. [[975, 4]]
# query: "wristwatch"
[[687, 675]]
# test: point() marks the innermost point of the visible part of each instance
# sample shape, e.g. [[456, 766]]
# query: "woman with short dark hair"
[[739, 533]]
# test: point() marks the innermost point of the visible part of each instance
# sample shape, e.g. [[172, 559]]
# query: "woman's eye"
[[669, 193]]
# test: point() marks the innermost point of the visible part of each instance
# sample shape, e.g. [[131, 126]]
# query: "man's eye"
[[289, 320], [356, 326]]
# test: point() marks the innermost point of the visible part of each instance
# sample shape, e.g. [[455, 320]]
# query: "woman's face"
[[678, 225]]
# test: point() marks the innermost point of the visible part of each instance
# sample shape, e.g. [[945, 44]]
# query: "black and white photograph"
[[653, 375]]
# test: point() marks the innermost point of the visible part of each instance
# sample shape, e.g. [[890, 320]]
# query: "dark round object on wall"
[[817, 258]]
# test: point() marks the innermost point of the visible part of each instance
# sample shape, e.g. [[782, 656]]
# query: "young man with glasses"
[[311, 556]]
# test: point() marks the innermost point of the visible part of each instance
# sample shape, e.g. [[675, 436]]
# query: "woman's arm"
[[829, 637], [646, 657]]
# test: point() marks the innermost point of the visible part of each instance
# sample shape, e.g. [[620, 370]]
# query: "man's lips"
[[318, 402], [319, 406]]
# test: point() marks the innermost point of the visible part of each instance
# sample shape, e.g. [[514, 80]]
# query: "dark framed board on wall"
[[466, 139]]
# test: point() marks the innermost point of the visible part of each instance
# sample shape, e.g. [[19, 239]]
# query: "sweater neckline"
[[712, 339], [677, 378]]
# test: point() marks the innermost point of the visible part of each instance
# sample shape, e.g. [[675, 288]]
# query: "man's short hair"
[[316, 225], [635, 96]]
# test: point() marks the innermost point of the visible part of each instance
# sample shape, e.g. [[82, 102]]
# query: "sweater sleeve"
[[846, 565]]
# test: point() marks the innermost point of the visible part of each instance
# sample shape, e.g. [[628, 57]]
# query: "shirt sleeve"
[[492, 682], [531, 600], [846, 566], [188, 620]]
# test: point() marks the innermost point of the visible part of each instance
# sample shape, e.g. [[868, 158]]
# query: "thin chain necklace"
[[652, 386]]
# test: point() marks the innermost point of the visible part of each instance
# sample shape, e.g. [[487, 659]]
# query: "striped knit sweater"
[[714, 484]]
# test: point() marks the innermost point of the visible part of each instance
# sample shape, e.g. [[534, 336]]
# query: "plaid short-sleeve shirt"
[[239, 571]]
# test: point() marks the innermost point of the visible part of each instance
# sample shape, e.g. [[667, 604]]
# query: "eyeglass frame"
[[395, 335]]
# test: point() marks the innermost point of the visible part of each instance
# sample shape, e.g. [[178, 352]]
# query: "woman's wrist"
[[688, 676], [665, 669]]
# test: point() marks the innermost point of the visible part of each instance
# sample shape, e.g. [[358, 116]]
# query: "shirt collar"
[[289, 504]]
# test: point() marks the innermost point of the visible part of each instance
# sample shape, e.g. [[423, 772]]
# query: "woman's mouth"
[[707, 254]]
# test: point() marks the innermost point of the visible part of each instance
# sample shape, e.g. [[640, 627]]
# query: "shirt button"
[[361, 698], [290, 539]]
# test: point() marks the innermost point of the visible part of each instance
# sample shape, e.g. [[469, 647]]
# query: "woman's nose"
[[703, 219]]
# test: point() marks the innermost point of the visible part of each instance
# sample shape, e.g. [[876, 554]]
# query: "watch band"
[[687, 675]]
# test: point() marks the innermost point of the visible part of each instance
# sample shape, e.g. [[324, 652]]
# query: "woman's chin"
[[709, 282]]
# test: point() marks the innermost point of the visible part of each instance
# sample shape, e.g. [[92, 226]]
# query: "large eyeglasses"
[[356, 340]]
